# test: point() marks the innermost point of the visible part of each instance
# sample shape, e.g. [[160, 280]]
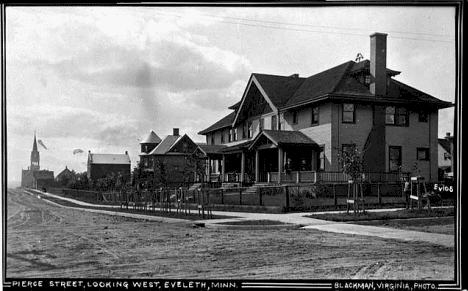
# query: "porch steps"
[[229, 185], [254, 188], [195, 186]]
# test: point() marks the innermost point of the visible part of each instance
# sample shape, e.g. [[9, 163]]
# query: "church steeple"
[[35, 156]]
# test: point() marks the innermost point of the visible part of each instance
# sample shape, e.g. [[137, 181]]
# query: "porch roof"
[[211, 149], [282, 137], [237, 147]]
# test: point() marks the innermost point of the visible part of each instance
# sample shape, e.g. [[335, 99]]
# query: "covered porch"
[[284, 156], [271, 157]]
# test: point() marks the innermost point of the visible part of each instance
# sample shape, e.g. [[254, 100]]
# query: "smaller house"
[[66, 176], [173, 160], [445, 150], [101, 165]]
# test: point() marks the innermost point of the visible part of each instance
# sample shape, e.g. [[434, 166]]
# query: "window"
[[294, 117], [222, 136], [261, 124], [244, 130], [273, 122], [231, 134], [367, 79], [349, 114], [394, 158], [212, 139], [396, 116], [422, 154], [315, 115], [281, 121], [423, 116], [447, 156], [235, 134], [250, 130]]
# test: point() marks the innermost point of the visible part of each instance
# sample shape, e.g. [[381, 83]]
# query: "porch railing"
[[314, 177]]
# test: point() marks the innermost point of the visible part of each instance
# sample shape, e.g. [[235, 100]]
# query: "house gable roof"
[[165, 145], [170, 145], [282, 137], [274, 89], [66, 171], [279, 88]]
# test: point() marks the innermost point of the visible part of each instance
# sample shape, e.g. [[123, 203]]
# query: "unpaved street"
[[48, 241]]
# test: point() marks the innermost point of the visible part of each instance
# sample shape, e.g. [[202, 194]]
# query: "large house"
[[34, 177], [101, 165], [305, 123]]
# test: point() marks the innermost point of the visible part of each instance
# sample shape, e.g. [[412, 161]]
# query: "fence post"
[[379, 197], [315, 177], [222, 196], [286, 195], [297, 177], [260, 196], [240, 196], [335, 201]]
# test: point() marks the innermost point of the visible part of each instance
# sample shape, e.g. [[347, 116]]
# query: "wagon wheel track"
[[96, 243]]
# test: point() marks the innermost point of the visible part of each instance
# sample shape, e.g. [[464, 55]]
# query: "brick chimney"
[[378, 64], [175, 131]]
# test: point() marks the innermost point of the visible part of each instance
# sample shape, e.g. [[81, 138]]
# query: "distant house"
[[66, 176], [101, 165], [445, 156], [309, 121], [171, 161], [34, 177]]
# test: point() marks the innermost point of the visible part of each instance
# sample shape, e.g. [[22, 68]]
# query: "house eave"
[[370, 99]]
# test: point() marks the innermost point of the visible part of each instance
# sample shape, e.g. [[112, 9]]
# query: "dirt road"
[[48, 241]]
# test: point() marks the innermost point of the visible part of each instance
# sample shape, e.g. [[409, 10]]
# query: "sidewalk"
[[289, 218]]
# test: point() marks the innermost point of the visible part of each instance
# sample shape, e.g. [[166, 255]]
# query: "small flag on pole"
[[41, 143]]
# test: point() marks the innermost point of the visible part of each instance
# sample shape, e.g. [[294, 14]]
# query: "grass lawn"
[[254, 222], [441, 220], [386, 215], [193, 215]]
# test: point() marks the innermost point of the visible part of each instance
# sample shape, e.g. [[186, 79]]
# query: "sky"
[[101, 78]]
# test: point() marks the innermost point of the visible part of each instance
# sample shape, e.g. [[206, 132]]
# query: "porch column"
[[314, 161], [280, 163], [223, 168], [257, 166], [242, 167], [209, 169]]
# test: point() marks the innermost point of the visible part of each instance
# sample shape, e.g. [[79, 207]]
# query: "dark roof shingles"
[[289, 137], [279, 88], [223, 122]]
